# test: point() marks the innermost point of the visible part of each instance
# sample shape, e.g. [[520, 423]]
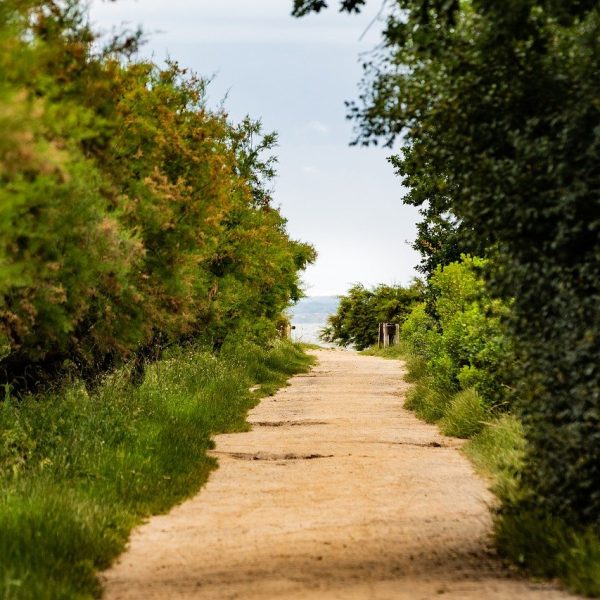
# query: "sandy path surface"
[[337, 492]]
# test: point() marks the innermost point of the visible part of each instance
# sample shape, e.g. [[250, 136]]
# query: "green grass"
[[427, 402], [464, 416], [79, 468], [394, 352], [546, 547], [542, 545], [416, 367], [497, 453]]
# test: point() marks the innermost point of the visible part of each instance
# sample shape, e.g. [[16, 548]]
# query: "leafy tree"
[[304, 7], [473, 349], [361, 310], [131, 215]]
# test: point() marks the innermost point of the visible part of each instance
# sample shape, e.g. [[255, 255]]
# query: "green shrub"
[[498, 452], [133, 217], [442, 370], [418, 330], [467, 346], [429, 403], [465, 415], [360, 311]]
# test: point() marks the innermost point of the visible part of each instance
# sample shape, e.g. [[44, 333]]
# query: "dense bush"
[[361, 310], [131, 215], [467, 346], [461, 360]]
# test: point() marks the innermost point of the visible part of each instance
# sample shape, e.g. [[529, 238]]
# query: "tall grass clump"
[[465, 415], [427, 402], [497, 452], [80, 466]]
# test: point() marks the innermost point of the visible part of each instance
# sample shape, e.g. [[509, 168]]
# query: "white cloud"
[[318, 127], [310, 170]]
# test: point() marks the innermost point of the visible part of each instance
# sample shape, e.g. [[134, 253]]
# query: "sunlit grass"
[[398, 351], [79, 469], [464, 416]]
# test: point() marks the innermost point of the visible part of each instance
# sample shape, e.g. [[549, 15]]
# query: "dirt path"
[[337, 492]]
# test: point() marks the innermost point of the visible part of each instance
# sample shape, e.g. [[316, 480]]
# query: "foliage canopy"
[[304, 7], [361, 310], [131, 215]]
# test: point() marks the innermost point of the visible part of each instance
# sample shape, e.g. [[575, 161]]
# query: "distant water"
[[310, 315], [307, 333]]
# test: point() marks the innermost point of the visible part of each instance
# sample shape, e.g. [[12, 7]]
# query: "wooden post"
[[388, 334]]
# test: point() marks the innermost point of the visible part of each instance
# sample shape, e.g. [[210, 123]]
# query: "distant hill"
[[314, 309], [309, 316]]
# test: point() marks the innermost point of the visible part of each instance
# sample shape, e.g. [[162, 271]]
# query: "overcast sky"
[[294, 75]]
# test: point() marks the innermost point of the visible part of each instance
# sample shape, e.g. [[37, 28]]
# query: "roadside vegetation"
[[460, 359], [133, 216], [80, 467], [492, 109], [144, 275], [361, 310]]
